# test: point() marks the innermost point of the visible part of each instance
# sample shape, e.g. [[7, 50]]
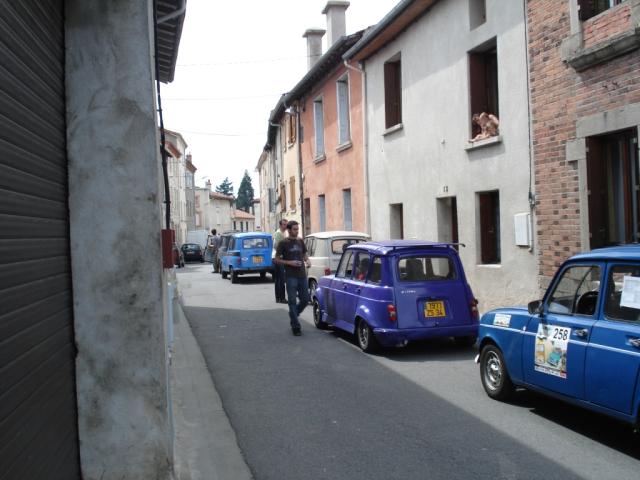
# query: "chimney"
[[207, 185], [314, 46], [336, 27]]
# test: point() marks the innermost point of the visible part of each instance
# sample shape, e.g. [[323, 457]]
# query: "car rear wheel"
[[224, 274], [493, 374], [465, 341], [234, 275], [365, 338], [317, 315]]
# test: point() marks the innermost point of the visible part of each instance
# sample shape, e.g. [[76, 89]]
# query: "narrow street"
[[316, 407]]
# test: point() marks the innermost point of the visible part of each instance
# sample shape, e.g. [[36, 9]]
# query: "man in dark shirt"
[[292, 253]]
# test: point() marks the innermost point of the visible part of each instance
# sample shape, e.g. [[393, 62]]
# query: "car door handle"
[[344, 286], [635, 342], [581, 332], [358, 290]]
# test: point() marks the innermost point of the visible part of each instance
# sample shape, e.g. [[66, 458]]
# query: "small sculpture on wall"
[[488, 123]]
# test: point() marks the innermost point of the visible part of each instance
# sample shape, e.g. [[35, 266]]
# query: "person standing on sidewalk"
[[292, 253], [214, 245], [278, 270]]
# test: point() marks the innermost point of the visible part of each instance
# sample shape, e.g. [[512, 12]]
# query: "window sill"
[[344, 146], [485, 142], [582, 58], [320, 158], [493, 266], [393, 129]]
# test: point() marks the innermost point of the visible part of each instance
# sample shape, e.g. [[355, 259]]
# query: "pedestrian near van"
[[292, 254], [278, 269], [214, 245]]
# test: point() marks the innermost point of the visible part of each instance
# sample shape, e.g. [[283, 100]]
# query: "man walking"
[[278, 269], [292, 253]]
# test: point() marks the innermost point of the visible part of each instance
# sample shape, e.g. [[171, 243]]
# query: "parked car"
[[580, 343], [390, 293], [178, 257], [248, 252], [325, 249], [192, 252]]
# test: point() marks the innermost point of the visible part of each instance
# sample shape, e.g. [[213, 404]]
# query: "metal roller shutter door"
[[38, 419]]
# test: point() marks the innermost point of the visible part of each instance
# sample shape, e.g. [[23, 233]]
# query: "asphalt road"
[[316, 407]]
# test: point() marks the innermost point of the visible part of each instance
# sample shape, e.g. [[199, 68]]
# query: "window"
[[489, 203], [342, 94], [292, 193], [283, 198], [613, 184], [322, 213], [345, 269], [310, 243], [375, 275], [617, 306], [290, 128], [425, 268], [576, 291], [591, 8], [396, 221], [255, 243], [346, 208], [447, 215], [362, 266], [338, 245], [483, 78], [318, 116], [477, 13], [392, 92]]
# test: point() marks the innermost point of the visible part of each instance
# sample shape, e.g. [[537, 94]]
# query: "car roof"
[[386, 247], [620, 252], [251, 234], [337, 233]]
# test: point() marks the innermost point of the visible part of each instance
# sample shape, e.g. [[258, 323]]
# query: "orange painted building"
[[329, 102]]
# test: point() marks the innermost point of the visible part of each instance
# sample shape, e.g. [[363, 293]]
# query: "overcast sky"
[[234, 62]]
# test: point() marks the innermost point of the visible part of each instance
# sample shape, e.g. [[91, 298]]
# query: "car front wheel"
[[234, 275], [364, 335], [312, 287], [224, 274], [493, 374], [317, 315]]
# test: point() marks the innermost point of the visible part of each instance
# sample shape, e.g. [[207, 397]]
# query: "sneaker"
[[282, 300], [296, 331]]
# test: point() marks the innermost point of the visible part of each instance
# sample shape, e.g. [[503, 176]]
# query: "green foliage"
[[226, 187], [245, 193]]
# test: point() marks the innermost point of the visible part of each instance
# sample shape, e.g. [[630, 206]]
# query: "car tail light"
[[327, 271], [473, 308], [393, 314]]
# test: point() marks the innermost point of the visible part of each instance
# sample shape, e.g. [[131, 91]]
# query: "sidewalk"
[[205, 445]]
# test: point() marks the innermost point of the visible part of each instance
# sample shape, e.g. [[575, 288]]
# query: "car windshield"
[[418, 268], [191, 246], [255, 243], [338, 245]]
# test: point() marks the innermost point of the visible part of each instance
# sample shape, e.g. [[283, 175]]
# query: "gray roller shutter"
[[38, 419]]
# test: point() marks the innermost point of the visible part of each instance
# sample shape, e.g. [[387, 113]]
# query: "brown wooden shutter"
[[392, 94], [292, 192]]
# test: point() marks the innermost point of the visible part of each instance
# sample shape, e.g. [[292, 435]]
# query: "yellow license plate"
[[257, 259], [434, 309]]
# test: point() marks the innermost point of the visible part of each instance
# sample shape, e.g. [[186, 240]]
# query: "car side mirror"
[[535, 307]]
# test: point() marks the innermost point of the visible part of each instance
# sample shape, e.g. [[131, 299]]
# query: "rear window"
[[255, 243], [338, 245], [426, 268], [191, 246]]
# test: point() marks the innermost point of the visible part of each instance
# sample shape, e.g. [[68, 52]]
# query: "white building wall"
[[426, 159]]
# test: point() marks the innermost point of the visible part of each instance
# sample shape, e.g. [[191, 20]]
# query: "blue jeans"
[[278, 272], [297, 287]]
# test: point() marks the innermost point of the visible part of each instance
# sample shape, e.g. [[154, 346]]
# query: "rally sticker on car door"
[[551, 350]]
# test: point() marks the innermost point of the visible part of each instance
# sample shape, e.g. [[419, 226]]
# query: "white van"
[[325, 249]]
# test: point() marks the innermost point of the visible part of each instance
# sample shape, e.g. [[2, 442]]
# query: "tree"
[[226, 187], [245, 193]]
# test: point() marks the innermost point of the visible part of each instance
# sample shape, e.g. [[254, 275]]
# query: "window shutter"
[[319, 127], [392, 94], [346, 196], [292, 192]]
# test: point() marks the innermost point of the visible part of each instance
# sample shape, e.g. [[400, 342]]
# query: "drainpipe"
[[300, 173], [365, 146], [531, 194]]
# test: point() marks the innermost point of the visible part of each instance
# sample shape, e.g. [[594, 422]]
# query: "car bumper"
[[243, 270], [396, 337]]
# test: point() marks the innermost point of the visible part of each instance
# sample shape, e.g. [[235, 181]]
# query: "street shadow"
[[251, 279]]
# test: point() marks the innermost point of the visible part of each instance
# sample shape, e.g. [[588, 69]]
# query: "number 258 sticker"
[[551, 350]]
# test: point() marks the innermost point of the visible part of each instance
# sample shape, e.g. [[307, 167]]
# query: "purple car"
[[389, 293]]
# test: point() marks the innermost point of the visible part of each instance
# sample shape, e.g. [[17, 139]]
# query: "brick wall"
[[559, 96], [612, 22]]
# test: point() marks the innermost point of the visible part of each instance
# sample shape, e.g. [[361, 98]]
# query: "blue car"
[[248, 252], [580, 343], [390, 293]]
